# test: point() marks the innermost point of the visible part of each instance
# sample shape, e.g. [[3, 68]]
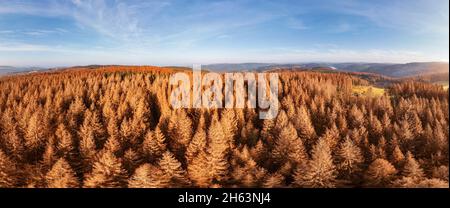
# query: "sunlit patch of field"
[[445, 84], [368, 91]]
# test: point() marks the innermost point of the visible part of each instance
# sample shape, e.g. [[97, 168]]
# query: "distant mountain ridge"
[[236, 67], [4, 70], [386, 69], [438, 71]]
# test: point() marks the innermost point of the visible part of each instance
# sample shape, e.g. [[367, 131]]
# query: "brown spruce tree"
[[61, 176]]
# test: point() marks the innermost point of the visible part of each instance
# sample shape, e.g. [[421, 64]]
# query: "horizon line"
[[219, 63]]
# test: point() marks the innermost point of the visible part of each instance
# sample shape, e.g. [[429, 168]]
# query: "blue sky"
[[183, 32]]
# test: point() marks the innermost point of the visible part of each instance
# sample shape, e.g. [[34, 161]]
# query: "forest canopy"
[[114, 127]]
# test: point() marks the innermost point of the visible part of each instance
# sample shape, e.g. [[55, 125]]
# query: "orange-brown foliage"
[[112, 126]]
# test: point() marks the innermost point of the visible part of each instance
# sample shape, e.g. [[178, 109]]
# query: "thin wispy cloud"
[[296, 24], [224, 36], [6, 32], [22, 47], [430, 16], [342, 27]]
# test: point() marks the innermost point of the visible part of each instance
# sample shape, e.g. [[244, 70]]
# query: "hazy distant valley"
[[385, 69], [436, 71]]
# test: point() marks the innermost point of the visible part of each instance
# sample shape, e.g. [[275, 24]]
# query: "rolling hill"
[[426, 71], [4, 70], [407, 70]]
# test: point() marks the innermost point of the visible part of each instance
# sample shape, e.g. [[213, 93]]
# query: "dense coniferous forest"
[[114, 127]]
